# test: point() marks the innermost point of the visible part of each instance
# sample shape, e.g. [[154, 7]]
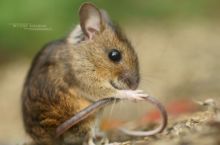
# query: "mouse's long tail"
[[83, 114], [102, 103], [159, 129]]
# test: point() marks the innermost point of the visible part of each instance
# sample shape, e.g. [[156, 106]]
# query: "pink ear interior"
[[91, 32], [90, 20]]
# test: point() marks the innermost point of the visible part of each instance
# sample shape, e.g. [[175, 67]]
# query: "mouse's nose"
[[130, 79]]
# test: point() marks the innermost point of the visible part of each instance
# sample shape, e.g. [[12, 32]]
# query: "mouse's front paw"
[[131, 94]]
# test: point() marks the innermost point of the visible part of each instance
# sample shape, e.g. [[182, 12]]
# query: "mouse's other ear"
[[106, 17], [90, 20]]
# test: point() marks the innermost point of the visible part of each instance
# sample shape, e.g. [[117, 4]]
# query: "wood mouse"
[[92, 62]]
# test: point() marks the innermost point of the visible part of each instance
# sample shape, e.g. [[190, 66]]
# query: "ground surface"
[[198, 128], [177, 61]]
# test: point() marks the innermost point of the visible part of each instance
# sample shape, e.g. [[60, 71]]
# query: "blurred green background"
[[25, 25]]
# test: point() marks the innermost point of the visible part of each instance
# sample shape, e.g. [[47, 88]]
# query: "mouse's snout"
[[131, 79]]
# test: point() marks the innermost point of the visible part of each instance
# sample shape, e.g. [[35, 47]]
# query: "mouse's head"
[[104, 57]]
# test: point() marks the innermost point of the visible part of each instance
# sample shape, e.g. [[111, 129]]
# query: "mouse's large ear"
[[106, 17], [90, 20]]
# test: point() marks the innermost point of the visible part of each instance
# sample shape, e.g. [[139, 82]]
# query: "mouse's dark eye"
[[114, 55]]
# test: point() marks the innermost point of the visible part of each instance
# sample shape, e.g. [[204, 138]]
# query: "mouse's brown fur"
[[67, 76]]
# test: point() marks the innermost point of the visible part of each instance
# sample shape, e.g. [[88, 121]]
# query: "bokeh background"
[[178, 43]]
